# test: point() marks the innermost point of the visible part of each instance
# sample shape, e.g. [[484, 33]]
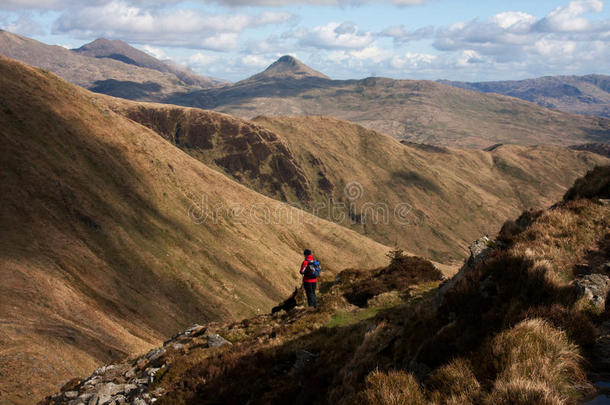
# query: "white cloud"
[[334, 35], [183, 27], [23, 25], [256, 61], [64, 4], [412, 60], [401, 35], [201, 60], [570, 18], [372, 54], [513, 20], [469, 57], [156, 52]]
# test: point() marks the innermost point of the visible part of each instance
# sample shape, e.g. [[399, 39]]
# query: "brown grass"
[[392, 388], [536, 360], [454, 383]]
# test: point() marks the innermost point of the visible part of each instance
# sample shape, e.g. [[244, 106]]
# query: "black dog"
[[289, 304]]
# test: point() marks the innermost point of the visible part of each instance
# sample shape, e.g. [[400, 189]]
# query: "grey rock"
[[138, 401], [155, 354], [215, 340], [71, 394], [93, 381], [480, 250], [131, 373], [104, 369], [127, 388], [593, 288], [105, 393], [119, 400], [95, 399]]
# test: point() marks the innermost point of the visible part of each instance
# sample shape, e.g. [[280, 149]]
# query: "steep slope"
[[428, 200], [121, 51], [574, 94], [105, 75], [111, 238], [519, 324], [418, 111]]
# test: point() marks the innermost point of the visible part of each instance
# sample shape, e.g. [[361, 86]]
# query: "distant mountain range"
[[109, 67], [588, 95], [412, 110]]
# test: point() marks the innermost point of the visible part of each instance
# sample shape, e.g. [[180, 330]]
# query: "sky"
[[344, 39]]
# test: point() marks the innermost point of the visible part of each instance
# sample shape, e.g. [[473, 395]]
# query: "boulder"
[[480, 250], [215, 340], [593, 288]]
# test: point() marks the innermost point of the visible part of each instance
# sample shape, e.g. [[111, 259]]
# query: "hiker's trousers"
[[310, 291]]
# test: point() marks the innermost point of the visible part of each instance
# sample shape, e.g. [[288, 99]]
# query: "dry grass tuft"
[[563, 235], [536, 359], [523, 392], [392, 388], [454, 383]]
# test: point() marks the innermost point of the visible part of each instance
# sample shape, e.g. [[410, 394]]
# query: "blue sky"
[[403, 39]]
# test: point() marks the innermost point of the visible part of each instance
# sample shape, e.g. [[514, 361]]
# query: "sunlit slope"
[[429, 200], [100, 252]]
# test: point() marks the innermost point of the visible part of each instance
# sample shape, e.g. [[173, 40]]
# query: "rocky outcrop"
[[593, 288], [480, 250], [130, 382]]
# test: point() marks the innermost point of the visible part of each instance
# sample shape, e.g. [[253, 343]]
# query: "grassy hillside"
[[418, 111], [513, 327], [427, 200], [103, 250]]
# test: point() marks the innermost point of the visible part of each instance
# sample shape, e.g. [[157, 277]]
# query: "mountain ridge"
[[589, 94], [103, 75], [123, 52], [412, 110]]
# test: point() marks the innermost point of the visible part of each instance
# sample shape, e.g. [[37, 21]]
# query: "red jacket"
[[306, 278]]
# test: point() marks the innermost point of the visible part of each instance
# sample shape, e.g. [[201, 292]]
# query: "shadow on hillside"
[[243, 92], [125, 89], [65, 186], [301, 371]]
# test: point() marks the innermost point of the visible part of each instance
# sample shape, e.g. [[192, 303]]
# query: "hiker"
[[309, 279]]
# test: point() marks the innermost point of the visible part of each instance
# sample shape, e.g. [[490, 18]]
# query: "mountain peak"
[[288, 67]]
